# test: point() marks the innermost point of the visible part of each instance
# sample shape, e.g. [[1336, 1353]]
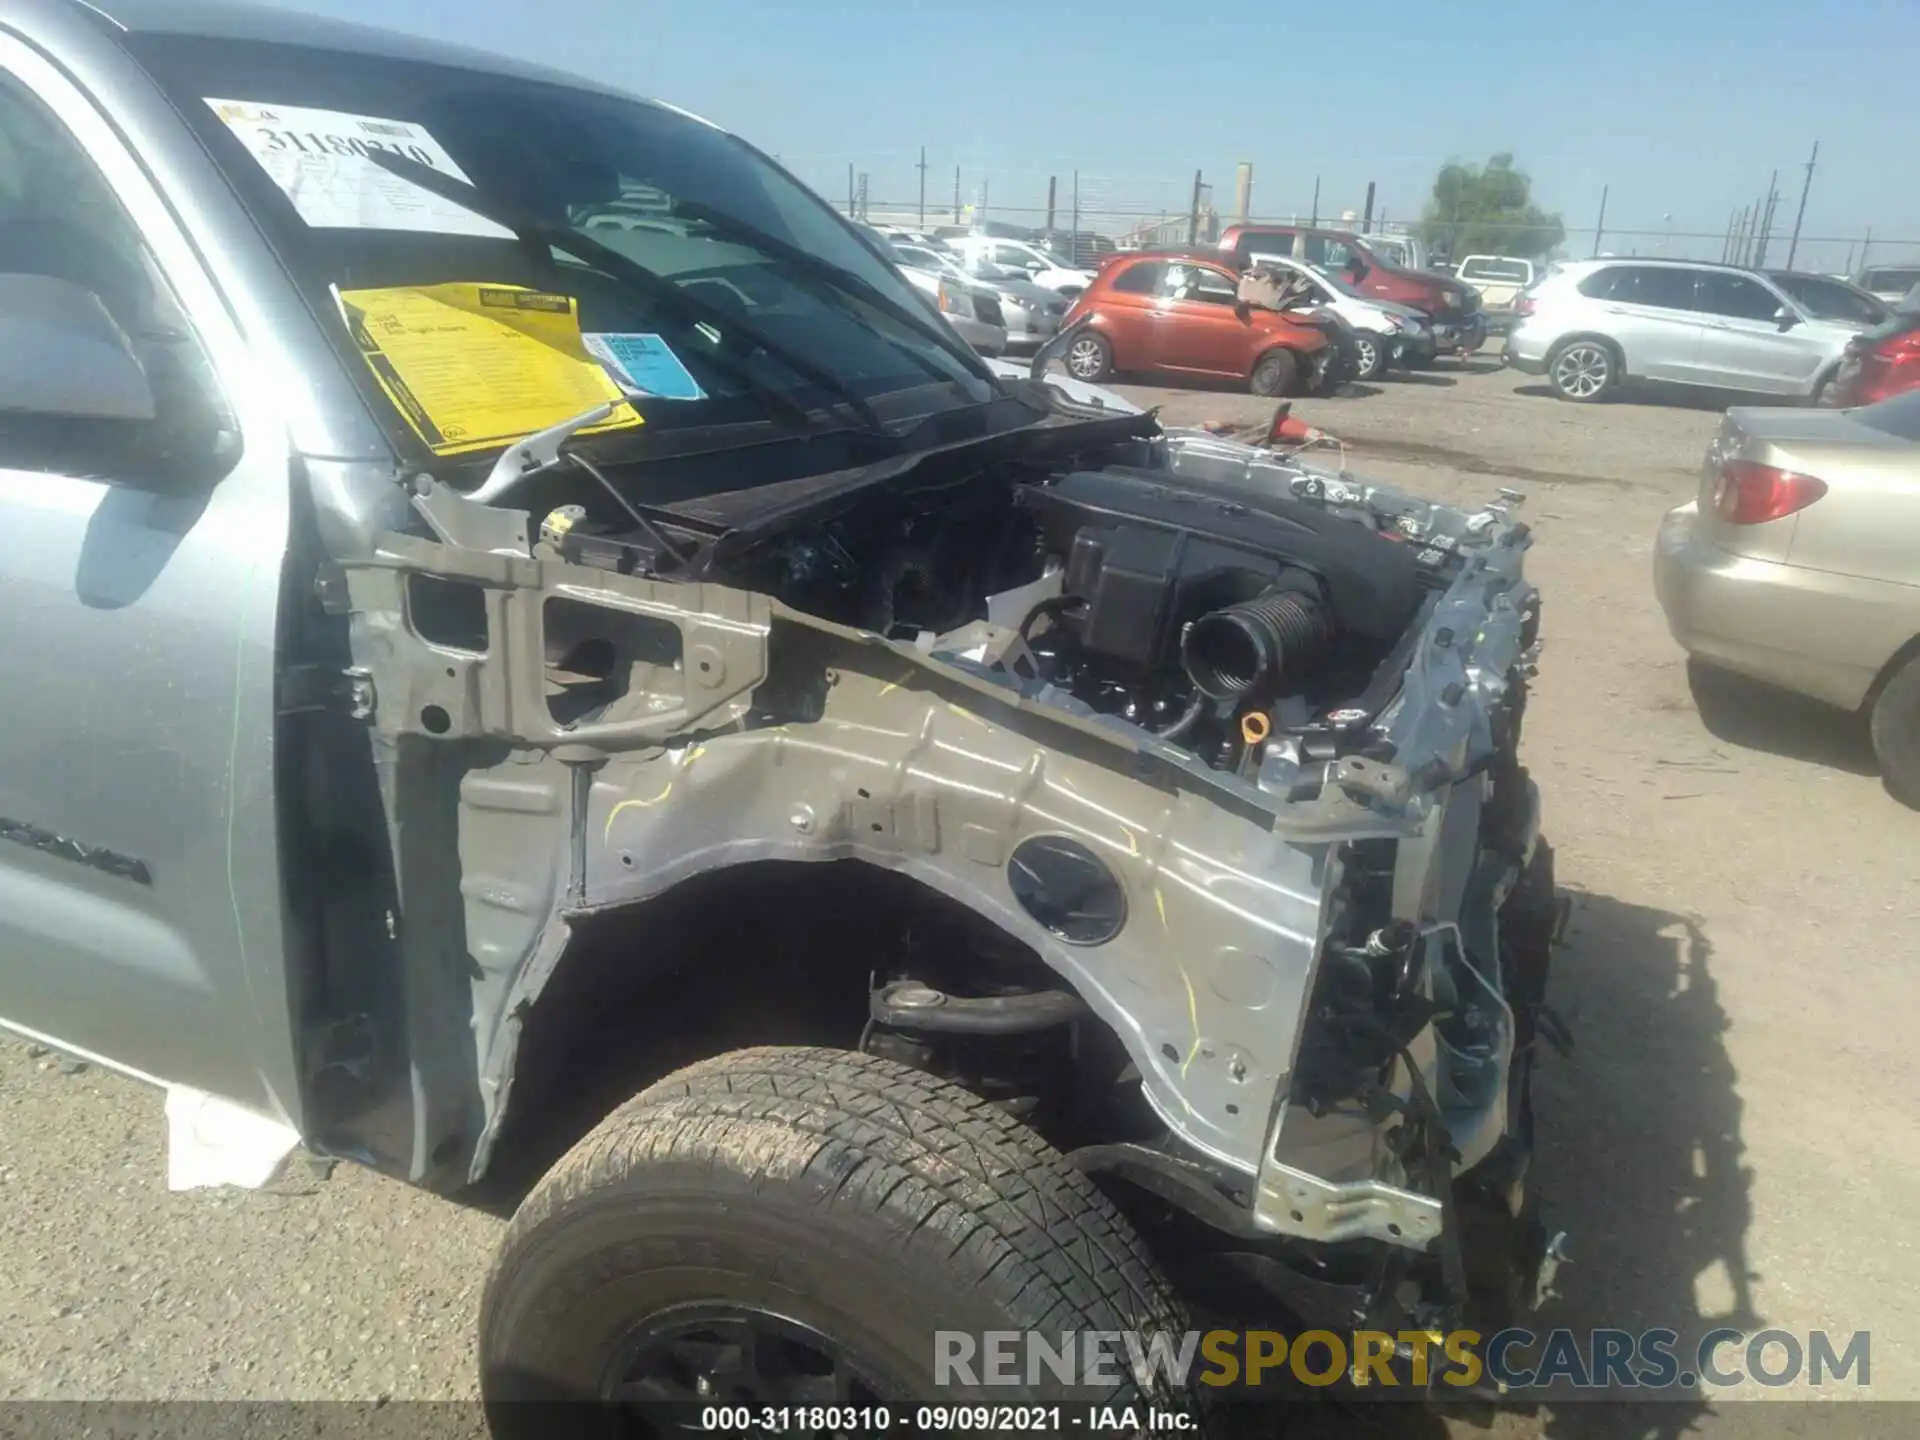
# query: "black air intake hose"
[[1247, 647]]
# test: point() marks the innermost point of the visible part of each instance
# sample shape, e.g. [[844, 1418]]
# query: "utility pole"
[[922, 168], [1193, 213], [956, 194], [1315, 221], [1600, 225], [1766, 231], [1073, 245], [1743, 236], [1793, 245], [1868, 240], [1766, 223], [863, 195], [1053, 183], [850, 195], [1726, 241], [1366, 218]]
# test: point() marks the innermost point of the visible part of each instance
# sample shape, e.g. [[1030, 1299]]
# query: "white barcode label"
[[318, 159]]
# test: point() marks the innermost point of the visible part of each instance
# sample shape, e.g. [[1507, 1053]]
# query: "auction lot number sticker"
[[318, 159]]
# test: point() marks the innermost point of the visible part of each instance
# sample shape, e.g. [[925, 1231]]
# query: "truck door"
[[140, 574]]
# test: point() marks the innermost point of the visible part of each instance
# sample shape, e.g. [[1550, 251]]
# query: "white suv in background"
[[1595, 324]]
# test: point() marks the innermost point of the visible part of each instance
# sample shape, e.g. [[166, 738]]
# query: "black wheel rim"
[[676, 1365]]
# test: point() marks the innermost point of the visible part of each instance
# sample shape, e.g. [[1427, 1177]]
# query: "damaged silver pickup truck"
[[917, 847]]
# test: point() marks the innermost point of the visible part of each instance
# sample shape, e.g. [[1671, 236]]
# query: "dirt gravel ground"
[[1732, 1141]]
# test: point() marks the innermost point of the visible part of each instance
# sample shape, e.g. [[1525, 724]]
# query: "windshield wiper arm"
[[617, 266], [841, 279]]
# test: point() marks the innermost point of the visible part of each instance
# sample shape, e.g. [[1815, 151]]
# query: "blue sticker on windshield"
[[645, 365]]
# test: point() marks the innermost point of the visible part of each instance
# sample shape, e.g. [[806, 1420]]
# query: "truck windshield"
[[289, 126]]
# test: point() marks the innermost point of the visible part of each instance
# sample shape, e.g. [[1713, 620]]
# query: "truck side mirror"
[[62, 355]]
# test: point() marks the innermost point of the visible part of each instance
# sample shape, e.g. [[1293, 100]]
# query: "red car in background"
[[1452, 307], [1880, 362], [1179, 314]]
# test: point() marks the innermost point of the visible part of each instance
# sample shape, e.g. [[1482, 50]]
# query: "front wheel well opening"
[[788, 953]]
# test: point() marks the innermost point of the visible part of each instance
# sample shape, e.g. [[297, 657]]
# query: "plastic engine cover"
[[1373, 583]]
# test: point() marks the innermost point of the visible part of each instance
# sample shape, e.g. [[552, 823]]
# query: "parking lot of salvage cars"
[[1729, 1143]]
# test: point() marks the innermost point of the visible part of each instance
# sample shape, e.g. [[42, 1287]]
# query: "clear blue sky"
[[1683, 108]]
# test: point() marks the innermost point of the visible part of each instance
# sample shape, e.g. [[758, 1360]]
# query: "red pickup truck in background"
[[1459, 326]]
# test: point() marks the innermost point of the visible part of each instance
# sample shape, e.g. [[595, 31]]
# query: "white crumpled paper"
[[211, 1141]]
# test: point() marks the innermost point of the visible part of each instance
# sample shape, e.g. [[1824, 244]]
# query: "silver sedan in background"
[[1798, 564], [1031, 312]]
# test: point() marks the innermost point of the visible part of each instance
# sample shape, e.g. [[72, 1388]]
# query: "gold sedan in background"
[[1799, 564]]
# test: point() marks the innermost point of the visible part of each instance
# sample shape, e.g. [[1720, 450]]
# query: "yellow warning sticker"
[[473, 367]]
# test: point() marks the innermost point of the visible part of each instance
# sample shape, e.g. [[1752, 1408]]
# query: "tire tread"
[[937, 1164]]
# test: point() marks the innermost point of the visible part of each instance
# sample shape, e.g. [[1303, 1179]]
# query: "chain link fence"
[[1137, 211]]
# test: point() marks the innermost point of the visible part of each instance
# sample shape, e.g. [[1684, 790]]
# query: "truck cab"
[[534, 651]]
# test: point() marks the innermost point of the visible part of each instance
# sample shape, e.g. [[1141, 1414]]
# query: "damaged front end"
[[1227, 743]]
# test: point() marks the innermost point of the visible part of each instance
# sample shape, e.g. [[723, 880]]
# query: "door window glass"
[[1141, 279], [1199, 283], [1328, 254], [1737, 297], [60, 219], [1600, 284], [1662, 287], [1830, 300], [1269, 242]]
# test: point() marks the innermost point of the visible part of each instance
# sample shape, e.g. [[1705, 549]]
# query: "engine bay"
[[1214, 611], [992, 662]]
